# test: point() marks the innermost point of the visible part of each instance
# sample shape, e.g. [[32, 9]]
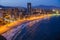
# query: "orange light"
[[18, 22]]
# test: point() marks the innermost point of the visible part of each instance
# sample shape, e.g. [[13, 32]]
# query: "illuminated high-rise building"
[[29, 8]]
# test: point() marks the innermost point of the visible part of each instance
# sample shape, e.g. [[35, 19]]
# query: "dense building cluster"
[[7, 14]]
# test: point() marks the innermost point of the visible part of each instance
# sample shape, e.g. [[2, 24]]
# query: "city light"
[[15, 16]]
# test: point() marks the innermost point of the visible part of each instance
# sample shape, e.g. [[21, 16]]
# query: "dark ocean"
[[43, 30]]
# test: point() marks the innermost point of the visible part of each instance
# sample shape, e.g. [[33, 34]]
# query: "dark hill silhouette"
[[39, 6], [46, 7], [10, 7]]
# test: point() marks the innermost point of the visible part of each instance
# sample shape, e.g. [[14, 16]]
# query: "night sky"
[[34, 2]]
